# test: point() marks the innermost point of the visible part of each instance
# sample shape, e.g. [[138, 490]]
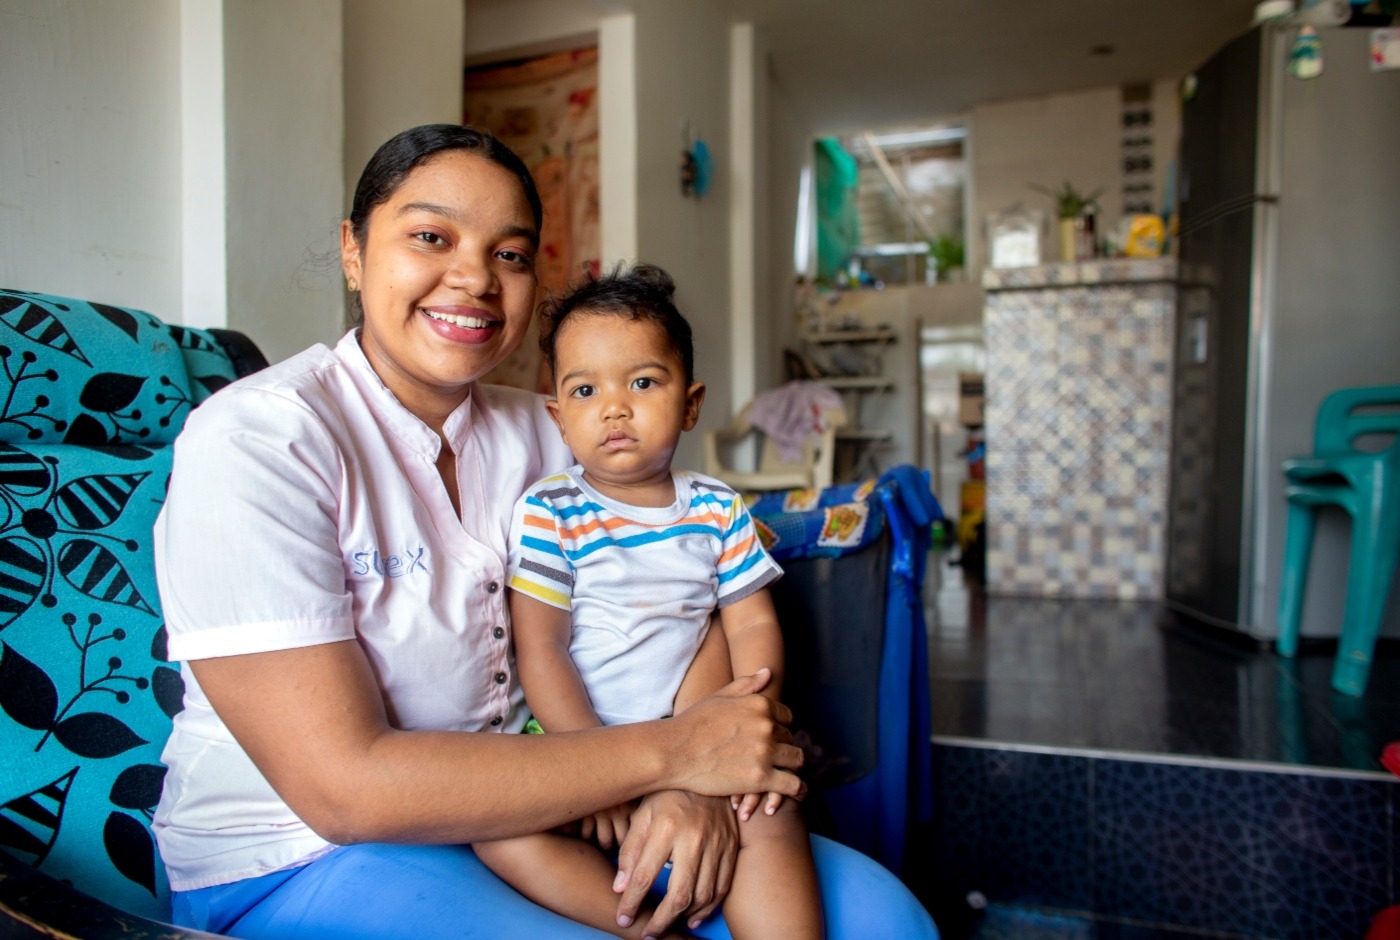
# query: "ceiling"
[[877, 64]]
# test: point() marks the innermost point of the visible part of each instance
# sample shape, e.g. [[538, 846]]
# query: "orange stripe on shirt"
[[743, 548], [615, 522]]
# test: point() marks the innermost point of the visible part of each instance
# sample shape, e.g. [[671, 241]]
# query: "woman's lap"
[[441, 892]]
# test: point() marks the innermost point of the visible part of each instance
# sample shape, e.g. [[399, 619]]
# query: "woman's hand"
[[699, 835], [736, 741]]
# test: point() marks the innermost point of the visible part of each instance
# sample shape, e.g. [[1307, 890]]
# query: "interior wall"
[[284, 130], [682, 62], [90, 196], [524, 27], [790, 136], [1049, 139], [382, 96]]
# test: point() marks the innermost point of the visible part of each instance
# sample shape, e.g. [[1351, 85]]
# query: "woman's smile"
[[463, 324]]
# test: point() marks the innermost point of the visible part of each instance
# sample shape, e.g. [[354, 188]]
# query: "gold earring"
[[353, 284]]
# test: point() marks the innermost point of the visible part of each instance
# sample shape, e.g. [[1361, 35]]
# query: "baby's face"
[[621, 403]]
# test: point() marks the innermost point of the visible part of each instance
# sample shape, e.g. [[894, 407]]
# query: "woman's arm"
[[313, 721]]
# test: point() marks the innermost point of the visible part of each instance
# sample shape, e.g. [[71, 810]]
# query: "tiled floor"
[[1104, 770], [1126, 676]]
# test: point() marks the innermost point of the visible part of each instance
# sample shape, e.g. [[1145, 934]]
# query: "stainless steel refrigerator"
[[1289, 240]]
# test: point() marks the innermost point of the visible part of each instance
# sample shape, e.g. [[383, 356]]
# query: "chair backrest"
[[818, 450], [91, 398], [1350, 414], [813, 469]]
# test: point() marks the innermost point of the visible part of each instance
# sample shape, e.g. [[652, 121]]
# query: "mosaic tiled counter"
[[1079, 364]]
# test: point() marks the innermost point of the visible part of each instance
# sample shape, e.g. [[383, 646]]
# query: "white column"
[[617, 137], [204, 269], [743, 246]]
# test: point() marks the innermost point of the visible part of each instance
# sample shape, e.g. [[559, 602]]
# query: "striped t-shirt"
[[640, 582]]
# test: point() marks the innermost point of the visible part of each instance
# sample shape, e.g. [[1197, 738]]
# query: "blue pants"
[[373, 892]]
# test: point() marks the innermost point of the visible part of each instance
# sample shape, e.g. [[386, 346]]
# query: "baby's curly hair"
[[639, 292]]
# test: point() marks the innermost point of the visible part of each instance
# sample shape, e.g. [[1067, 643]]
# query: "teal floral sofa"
[[91, 398]]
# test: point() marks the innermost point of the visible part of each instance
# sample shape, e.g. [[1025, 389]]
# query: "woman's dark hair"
[[641, 292], [393, 161]]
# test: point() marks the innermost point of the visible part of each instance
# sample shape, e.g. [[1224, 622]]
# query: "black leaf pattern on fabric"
[[95, 735], [191, 339], [9, 301], [160, 644], [27, 694], [131, 850], [22, 473], [24, 568], [213, 382], [39, 325], [169, 690], [110, 392], [94, 570], [138, 787], [120, 451], [86, 431], [30, 822], [119, 318], [95, 502]]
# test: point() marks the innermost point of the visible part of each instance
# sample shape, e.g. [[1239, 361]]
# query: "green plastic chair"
[[1367, 485]]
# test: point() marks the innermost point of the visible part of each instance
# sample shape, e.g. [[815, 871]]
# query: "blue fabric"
[[90, 397], [78, 372], [370, 892]]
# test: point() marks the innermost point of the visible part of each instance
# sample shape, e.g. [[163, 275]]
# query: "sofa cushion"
[[86, 692], [91, 396]]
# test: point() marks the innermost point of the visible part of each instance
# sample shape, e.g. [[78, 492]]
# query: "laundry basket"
[[851, 606]]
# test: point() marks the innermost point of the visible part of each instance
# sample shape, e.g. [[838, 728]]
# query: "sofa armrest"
[[246, 357]]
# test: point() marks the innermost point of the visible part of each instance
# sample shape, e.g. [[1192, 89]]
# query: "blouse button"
[[498, 632], [501, 678], [496, 722], [492, 588]]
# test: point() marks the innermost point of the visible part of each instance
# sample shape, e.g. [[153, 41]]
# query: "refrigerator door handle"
[[1198, 333]]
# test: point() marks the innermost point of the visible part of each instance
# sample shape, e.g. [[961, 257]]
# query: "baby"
[[617, 566]]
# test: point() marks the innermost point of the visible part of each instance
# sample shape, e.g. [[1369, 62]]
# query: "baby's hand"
[[746, 804], [608, 827]]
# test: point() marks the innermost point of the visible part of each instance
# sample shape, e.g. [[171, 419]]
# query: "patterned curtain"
[[546, 110]]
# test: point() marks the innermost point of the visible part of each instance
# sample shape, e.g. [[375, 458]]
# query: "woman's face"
[[446, 277]]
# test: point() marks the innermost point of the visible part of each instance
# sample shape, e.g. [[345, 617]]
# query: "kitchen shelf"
[[857, 383], [830, 337], [869, 435]]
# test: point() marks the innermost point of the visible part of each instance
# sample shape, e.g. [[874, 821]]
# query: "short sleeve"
[[744, 565], [247, 547], [538, 566]]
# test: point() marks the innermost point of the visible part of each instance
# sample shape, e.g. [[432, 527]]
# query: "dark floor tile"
[[1130, 676], [1002, 923], [1012, 825], [1013, 923], [1253, 853]]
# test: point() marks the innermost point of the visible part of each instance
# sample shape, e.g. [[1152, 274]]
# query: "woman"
[[331, 561]]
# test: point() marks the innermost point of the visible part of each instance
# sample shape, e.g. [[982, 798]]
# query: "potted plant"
[[1070, 207], [948, 255]]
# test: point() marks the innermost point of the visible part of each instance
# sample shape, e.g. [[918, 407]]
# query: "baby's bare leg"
[[568, 876], [775, 891]]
